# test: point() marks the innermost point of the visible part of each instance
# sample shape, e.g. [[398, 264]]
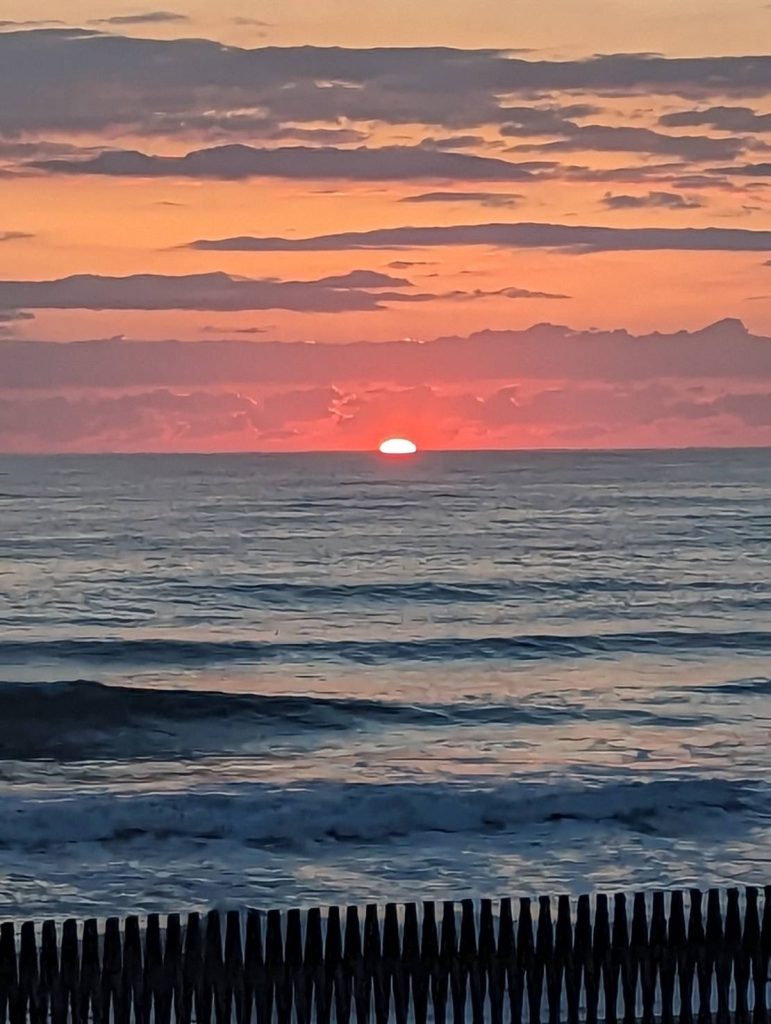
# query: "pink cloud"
[[547, 386]]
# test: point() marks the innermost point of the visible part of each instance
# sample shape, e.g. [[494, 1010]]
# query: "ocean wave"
[[241, 591], [187, 652], [81, 720], [299, 816], [271, 593], [759, 686], [398, 592]]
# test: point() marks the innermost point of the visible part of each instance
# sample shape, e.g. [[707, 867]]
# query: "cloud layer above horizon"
[[547, 386]]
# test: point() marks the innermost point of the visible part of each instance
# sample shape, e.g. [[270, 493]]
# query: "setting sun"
[[398, 446]]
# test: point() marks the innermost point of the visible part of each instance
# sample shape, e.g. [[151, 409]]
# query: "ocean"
[[295, 680]]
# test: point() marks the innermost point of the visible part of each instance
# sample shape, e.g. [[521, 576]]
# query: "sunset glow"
[[504, 228], [398, 446]]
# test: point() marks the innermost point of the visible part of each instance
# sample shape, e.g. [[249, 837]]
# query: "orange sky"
[[132, 143], [561, 27]]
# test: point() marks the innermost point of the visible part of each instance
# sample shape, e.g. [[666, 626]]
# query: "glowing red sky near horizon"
[[207, 243]]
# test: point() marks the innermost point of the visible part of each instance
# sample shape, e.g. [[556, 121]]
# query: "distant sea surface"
[[275, 681]]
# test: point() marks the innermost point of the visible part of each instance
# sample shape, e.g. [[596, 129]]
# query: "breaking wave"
[[300, 815]]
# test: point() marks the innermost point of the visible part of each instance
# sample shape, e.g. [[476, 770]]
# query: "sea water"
[[290, 680]]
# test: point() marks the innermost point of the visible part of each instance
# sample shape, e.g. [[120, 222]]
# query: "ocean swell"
[[298, 816], [83, 720], [189, 653]]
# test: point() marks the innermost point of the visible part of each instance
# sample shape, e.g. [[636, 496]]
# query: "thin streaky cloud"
[[487, 199], [761, 170], [651, 200], [723, 118], [309, 163], [356, 291], [459, 295], [508, 236], [359, 290], [31, 23], [147, 18], [225, 332], [252, 22], [10, 316], [600, 138]]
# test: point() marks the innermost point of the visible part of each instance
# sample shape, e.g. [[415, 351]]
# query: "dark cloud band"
[[722, 351], [147, 18], [509, 236], [55, 78], [307, 163], [356, 291], [359, 290]]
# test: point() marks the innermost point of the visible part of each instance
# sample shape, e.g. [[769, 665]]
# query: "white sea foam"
[[299, 815]]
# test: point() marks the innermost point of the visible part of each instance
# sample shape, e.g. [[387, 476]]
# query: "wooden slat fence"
[[690, 958]]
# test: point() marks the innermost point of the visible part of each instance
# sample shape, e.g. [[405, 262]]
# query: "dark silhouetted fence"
[[657, 957]]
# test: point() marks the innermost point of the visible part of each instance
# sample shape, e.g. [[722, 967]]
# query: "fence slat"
[[354, 960], [50, 979], [545, 961], [738, 961], [314, 965], [192, 969], [751, 944], [490, 978], [69, 969], [717, 961], [373, 961], [697, 951], [393, 971], [9, 977], [154, 981], [276, 969], [448, 954], [603, 961], [90, 994], [507, 959], [643, 974], [662, 958], [294, 965], [173, 966], [29, 984], [565, 960], [434, 964], [333, 955]]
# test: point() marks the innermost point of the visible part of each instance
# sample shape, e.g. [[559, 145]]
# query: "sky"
[[282, 226]]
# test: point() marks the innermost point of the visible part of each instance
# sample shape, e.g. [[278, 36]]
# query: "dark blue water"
[[283, 680]]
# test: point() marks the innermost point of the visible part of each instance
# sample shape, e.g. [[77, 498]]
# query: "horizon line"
[[631, 449]]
